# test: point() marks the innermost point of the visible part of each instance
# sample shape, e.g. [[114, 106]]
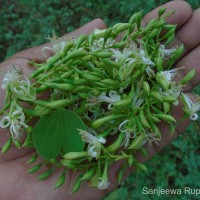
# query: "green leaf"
[[56, 134]]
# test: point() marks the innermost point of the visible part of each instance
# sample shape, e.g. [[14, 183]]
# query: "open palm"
[[16, 183]]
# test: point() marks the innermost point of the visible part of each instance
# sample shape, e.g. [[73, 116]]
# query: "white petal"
[[92, 151], [194, 117], [102, 140], [188, 101], [123, 124], [5, 122], [103, 184], [48, 50], [88, 137]]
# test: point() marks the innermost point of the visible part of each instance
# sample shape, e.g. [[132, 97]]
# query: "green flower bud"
[[46, 174], [161, 12], [170, 40], [168, 34], [188, 77], [169, 26], [103, 54], [80, 41], [86, 76], [28, 141], [60, 180], [140, 166], [75, 155], [53, 60], [60, 86], [155, 119], [125, 102], [166, 107], [137, 142], [35, 168], [109, 82], [37, 71], [91, 38], [69, 164], [146, 87], [159, 23], [159, 64], [75, 54], [170, 99], [99, 122], [89, 174], [17, 143], [165, 117], [77, 184], [143, 119], [83, 95], [156, 95], [55, 104], [154, 128], [175, 56], [38, 111], [154, 33], [7, 145], [136, 17], [99, 33], [32, 159], [163, 83], [122, 27], [117, 143], [67, 47]]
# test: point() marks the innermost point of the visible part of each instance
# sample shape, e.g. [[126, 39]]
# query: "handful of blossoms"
[[107, 93]]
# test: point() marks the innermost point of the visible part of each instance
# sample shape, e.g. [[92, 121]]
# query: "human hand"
[[14, 180]]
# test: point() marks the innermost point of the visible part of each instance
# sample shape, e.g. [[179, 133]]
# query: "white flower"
[[192, 108], [98, 44], [125, 55], [137, 102], [168, 75], [25, 90], [150, 137], [15, 120], [112, 98], [127, 131], [146, 60], [174, 90], [57, 44], [150, 72], [11, 78], [94, 143], [103, 183], [19, 85], [118, 55], [165, 53]]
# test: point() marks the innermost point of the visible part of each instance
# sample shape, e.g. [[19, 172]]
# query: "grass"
[[26, 23]]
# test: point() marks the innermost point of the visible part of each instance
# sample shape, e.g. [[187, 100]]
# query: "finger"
[[35, 53], [190, 61], [181, 18], [188, 34], [182, 9]]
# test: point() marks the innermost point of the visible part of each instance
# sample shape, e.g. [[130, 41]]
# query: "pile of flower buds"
[[121, 84]]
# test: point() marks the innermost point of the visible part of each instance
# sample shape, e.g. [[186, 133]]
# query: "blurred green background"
[[26, 23]]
